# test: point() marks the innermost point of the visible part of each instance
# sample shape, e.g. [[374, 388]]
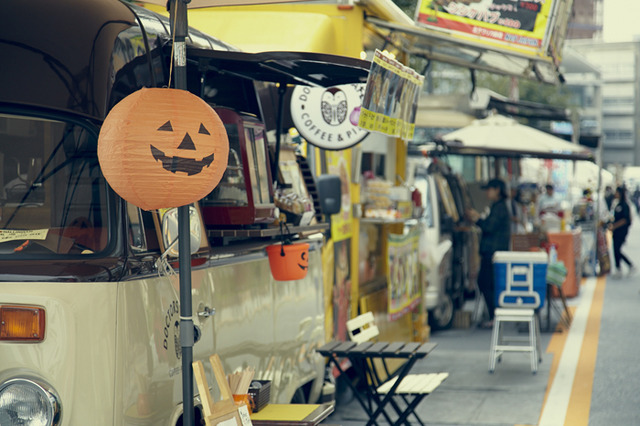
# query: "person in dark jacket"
[[619, 229], [496, 236]]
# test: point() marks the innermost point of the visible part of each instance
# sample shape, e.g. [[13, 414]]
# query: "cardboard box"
[[462, 319]]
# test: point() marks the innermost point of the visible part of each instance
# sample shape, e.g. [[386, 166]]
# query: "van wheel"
[[441, 317]]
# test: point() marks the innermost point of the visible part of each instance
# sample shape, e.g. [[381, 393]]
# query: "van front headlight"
[[29, 403]]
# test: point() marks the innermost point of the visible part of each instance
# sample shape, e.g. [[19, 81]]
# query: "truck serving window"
[[53, 198]]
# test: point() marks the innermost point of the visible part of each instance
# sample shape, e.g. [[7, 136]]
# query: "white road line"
[[555, 408]]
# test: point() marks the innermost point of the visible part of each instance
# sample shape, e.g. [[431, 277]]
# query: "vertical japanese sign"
[[339, 164], [342, 289], [519, 24], [391, 98], [402, 273]]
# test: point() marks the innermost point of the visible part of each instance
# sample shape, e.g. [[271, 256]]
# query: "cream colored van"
[[89, 307]]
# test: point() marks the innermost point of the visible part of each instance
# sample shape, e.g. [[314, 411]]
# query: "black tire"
[[299, 397], [441, 317]]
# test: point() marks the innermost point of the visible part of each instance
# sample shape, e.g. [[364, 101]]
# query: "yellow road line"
[[571, 374], [580, 402]]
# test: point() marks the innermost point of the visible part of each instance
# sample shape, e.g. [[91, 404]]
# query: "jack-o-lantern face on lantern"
[[161, 148], [175, 164], [304, 260]]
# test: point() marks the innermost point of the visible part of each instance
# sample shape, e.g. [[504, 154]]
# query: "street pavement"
[[605, 392]]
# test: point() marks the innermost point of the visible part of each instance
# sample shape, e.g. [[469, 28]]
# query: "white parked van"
[[445, 250]]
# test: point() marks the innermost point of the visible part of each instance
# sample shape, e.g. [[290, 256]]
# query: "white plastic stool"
[[500, 343]]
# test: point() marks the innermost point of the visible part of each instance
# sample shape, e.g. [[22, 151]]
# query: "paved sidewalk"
[[471, 396]]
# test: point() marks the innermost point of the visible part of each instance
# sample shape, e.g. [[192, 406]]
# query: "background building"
[[619, 65], [586, 20], [585, 84]]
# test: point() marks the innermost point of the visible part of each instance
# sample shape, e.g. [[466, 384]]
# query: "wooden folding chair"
[[220, 412], [362, 328]]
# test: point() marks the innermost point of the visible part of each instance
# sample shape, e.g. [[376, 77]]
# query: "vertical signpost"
[[180, 28]]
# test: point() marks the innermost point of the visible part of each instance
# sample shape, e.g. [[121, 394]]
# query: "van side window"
[[137, 239], [53, 197], [422, 184], [142, 230]]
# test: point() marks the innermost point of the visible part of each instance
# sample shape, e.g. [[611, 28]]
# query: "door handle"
[[207, 312]]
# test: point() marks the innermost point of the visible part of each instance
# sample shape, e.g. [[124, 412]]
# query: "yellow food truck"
[[89, 301]]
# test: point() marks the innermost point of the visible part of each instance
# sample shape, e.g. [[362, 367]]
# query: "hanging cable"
[[473, 81]]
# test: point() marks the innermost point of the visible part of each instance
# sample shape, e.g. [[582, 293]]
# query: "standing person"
[[608, 196], [620, 228], [496, 236], [517, 211], [548, 202], [636, 199]]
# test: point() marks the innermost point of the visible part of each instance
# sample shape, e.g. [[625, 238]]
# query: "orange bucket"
[[288, 261]]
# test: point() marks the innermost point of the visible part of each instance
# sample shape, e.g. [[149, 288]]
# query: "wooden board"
[[223, 412]]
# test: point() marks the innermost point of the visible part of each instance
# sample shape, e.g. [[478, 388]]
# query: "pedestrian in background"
[[636, 199], [549, 201], [608, 196], [619, 229], [496, 236], [517, 210]]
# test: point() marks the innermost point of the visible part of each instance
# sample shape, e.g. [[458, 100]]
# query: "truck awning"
[[311, 69], [440, 47]]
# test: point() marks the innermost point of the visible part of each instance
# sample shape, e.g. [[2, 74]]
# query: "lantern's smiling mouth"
[[175, 164]]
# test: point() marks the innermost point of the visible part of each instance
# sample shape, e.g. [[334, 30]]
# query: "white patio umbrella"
[[585, 175], [503, 136]]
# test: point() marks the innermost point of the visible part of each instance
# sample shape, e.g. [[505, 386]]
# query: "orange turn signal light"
[[21, 323]]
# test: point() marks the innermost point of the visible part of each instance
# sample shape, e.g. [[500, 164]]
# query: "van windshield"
[[53, 198]]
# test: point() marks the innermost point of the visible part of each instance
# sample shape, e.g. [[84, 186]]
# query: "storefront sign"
[[328, 117], [402, 273], [520, 24], [391, 98]]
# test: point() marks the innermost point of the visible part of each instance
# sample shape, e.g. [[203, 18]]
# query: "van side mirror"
[[330, 193], [170, 231]]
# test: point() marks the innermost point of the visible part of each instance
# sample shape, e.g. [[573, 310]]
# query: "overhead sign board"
[[391, 98], [328, 117], [521, 25]]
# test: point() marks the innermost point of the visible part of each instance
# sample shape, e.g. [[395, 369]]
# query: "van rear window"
[[53, 198]]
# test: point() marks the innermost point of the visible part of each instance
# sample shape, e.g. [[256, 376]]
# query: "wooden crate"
[[462, 319]]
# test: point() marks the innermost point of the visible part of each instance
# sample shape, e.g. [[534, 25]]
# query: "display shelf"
[[264, 232], [380, 221], [375, 284]]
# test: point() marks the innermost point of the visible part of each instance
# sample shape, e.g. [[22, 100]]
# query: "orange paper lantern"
[[161, 148]]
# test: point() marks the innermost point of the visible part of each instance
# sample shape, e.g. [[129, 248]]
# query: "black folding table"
[[362, 358]]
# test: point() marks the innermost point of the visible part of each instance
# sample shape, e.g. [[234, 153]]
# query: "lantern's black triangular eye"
[[166, 127], [203, 130]]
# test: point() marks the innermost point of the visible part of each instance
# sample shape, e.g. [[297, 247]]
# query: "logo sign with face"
[[328, 117], [162, 148]]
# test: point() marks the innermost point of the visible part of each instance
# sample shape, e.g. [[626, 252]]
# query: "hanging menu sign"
[[391, 98]]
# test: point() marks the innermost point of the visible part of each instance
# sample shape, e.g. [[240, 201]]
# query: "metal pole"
[[599, 148], [179, 16], [282, 90]]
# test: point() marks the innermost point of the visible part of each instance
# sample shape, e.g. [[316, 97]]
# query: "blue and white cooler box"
[[520, 278]]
